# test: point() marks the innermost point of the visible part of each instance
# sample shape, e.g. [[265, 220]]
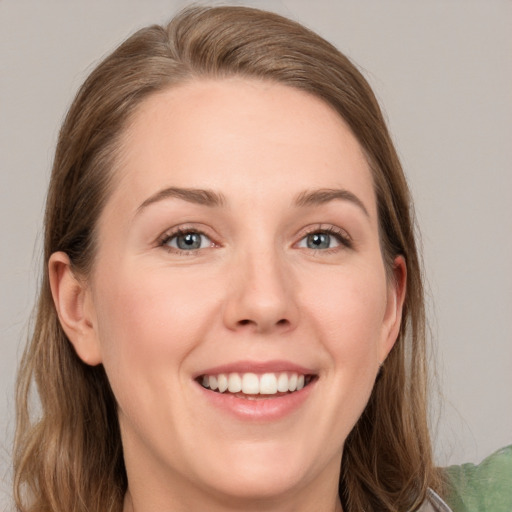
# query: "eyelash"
[[339, 234]]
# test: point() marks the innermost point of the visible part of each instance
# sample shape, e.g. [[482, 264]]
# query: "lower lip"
[[264, 409]]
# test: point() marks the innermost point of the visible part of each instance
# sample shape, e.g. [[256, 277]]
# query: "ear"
[[74, 306], [395, 302]]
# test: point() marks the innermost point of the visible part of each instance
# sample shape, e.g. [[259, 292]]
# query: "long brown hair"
[[68, 458]]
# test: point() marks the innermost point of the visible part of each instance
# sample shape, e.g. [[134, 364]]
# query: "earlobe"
[[395, 304], [72, 300]]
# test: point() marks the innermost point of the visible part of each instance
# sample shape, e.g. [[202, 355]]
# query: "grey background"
[[443, 73]]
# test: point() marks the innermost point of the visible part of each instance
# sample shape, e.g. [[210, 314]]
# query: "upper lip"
[[274, 366]]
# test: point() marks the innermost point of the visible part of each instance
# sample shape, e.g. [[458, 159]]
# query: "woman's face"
[[239, 248]]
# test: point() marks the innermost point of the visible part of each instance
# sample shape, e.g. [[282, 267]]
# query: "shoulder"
[[486, 487]]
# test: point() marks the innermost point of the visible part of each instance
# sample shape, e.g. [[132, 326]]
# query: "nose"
[[262, 294]]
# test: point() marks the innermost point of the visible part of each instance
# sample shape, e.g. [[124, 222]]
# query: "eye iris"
[[318, 241], [189, 241]]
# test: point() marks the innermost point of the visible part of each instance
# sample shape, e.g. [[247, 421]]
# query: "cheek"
[[353, 302], [147, 323], [350, 315], [347, 317]]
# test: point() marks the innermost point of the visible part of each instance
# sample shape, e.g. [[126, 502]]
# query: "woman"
[[231, 317]]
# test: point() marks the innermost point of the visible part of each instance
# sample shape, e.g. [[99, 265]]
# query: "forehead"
[[245, 134]]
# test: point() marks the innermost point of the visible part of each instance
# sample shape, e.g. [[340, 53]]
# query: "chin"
[[256, 483], [260, 471]]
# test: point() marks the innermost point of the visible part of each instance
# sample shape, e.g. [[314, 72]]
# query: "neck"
[[131, 506]]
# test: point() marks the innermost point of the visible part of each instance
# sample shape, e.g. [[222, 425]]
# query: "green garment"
[[486, 487]]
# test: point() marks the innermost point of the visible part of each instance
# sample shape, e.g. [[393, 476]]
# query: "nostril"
[[246, 321]]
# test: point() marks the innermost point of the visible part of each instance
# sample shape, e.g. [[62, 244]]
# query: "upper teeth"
[[254, 384]]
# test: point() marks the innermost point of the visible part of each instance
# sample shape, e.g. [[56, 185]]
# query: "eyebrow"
[[214, 199], [192, 195], [325, 195]]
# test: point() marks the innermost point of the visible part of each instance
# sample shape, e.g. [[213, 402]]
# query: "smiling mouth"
[[253, 386]]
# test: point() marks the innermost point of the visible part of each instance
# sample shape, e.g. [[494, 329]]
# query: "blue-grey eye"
[[319, 240], [189, 241]]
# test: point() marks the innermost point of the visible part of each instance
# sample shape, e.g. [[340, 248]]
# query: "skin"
[[155, 316]]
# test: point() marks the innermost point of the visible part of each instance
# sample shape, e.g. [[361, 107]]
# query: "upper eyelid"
[[169, 236], [326, 228], [184, 228]]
